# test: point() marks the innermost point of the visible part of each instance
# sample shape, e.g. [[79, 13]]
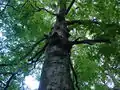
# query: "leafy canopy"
[[25, 22]]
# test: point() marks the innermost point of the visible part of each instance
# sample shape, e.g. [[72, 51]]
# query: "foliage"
[[22, 24]]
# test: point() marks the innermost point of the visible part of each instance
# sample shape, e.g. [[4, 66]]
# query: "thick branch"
[[91, 42], [68, 9]]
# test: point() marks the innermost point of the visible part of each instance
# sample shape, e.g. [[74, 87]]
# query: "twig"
[[68, 9], [91, 42]]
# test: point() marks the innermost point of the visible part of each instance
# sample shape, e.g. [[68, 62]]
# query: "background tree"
[[26, 28]]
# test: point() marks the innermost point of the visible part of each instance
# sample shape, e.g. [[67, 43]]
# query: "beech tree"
[[75, 42]]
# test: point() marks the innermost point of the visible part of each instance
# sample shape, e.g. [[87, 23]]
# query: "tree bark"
[[56, 68]]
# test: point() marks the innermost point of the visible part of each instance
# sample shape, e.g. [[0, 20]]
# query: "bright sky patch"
[[31, 82], [1, 34]]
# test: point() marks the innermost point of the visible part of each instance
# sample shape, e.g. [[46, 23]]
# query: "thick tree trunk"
[[56, 68]]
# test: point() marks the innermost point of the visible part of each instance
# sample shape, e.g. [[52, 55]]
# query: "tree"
[[55, 31]]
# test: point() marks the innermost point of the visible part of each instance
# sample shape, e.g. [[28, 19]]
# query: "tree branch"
[[75, 75], [39, 53], [8, 82], [81, 22], [5, 73], [2, 83], [13, 74], [3, 65], [39, 9], [33, 47], [9, 6], [86, 22], [10, 79], [24, 3], [68, 9], [5, 7], [90, 42]]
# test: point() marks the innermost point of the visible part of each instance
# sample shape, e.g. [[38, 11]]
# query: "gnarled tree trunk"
[[56, 68]]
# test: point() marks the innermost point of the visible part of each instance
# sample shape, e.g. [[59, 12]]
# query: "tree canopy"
[[25, 26]]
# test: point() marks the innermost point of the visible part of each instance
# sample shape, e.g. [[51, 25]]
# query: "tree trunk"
[[56, 68]]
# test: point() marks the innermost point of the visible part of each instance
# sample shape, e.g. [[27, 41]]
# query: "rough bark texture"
[[56, 68]]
